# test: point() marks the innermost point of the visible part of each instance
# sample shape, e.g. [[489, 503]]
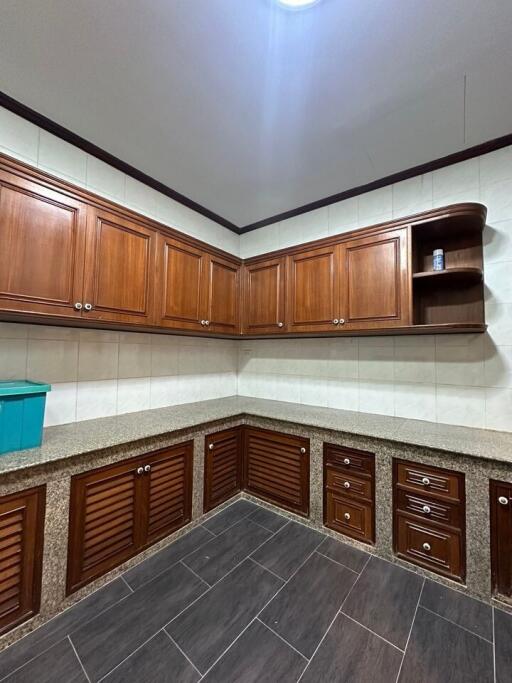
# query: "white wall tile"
[[376, 397], [133, 395], [97, 361], [457, 179], [18, 138], [343, 394], [105, 180], [375, 206], [52, 360], [498, 199], [460, 405], [496, 166], [497, 242], [412, 195], [140, 197], [96, 399], [376, 362], [415, 401], [62, 159], [498, 409], [164, 391], [415, 364], [61, 404], [13, 359], [498, 282], [498, 367]]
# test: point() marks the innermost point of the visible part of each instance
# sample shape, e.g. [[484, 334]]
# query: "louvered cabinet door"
[[276, 468], [168, 491], [105, 528], [222, 467], [21, 552]]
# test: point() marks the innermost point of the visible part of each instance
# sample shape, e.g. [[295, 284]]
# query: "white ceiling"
[[250, 109]]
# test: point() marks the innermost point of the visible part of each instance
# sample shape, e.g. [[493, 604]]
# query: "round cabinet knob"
[[347, 516], [88, 307], [203, 322], [346, 484], [206, 322], [335, 321], [302, 450], [77, 306], [426, 509], [346, 461], [147, 468], [503, 500], [210, 446], [140, 470], [426, 546], [342, 321], [280, 324], [425, 481]]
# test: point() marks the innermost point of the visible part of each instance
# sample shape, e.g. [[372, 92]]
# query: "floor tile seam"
[[78, 658], [194, 573], [127, 584], [340, 564], [262, 525], [410, 631], [265, 568], [223, 510], [182, 651], [454, 623], [218, 581], [282, 638], [256, 616], [367, 628], [332, 621], [129, 655]]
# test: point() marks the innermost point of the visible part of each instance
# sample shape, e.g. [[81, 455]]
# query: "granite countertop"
[[66, 441]]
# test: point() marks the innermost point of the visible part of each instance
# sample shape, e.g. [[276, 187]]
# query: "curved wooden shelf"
[[468, 275]]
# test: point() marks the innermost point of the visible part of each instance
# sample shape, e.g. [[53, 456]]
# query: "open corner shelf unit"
[[453, 296]]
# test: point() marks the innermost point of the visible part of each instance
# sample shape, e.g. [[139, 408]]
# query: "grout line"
[[265, 568], [79, 660], [333, 620], [126, 583], [261, 525], [455, 624], [410, 630], [194, 573], [366, 628], [281, 638], [182, 651], [128, 656], [340, 564], [285, 582], [493, 647]]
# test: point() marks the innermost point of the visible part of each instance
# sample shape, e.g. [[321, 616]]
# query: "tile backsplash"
[[96, 373]]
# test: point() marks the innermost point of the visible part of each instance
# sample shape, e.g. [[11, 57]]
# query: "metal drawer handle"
[[140, 470], [302, 450], [210, 447], [346, 461], [346, 484], [425, 481], [147, 468], [503, 500], [426, 509], [426, 546], [347, 516]]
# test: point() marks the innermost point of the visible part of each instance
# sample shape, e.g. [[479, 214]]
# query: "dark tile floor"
[[250, 596]]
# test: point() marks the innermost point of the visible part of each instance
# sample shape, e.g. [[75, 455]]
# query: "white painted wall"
[[454, 379]]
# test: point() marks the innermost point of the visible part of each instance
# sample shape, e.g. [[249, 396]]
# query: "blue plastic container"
[[21, 414]]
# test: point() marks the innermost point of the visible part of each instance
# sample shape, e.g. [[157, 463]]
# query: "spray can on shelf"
[[438, 259]]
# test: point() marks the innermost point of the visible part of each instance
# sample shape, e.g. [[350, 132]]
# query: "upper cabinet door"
[[264, 297], [313, 290], [119, 272], [42, 239], [375, 288], [181, 285], [223, 314]]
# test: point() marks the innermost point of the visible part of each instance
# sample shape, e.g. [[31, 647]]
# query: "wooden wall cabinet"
[[429, 518], [276, 468], [501, 537], [349, 492], [264, 297], [223, 299], [118, 510], [21, 555], [222, 466]]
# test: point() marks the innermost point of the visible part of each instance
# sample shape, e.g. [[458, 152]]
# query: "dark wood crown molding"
[[56, 129]]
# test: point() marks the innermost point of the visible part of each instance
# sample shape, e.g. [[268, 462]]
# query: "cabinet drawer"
[[349, 517], [432, 480], [349, 485], [349, 460], [432, 548], [429, 509]]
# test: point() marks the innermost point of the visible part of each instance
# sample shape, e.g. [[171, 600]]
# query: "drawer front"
[[430, 480], [349, 485], [349, 517], [432, 548], [429, 509], [350, 460]]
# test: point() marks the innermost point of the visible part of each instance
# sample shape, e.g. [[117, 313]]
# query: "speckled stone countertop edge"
[[81, 438]]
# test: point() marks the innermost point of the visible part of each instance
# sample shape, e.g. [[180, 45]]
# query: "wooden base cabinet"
[[222, 466], [118, 510], [276, 468], [429, 518], [349, 492], [501, 537], [21, 554]]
